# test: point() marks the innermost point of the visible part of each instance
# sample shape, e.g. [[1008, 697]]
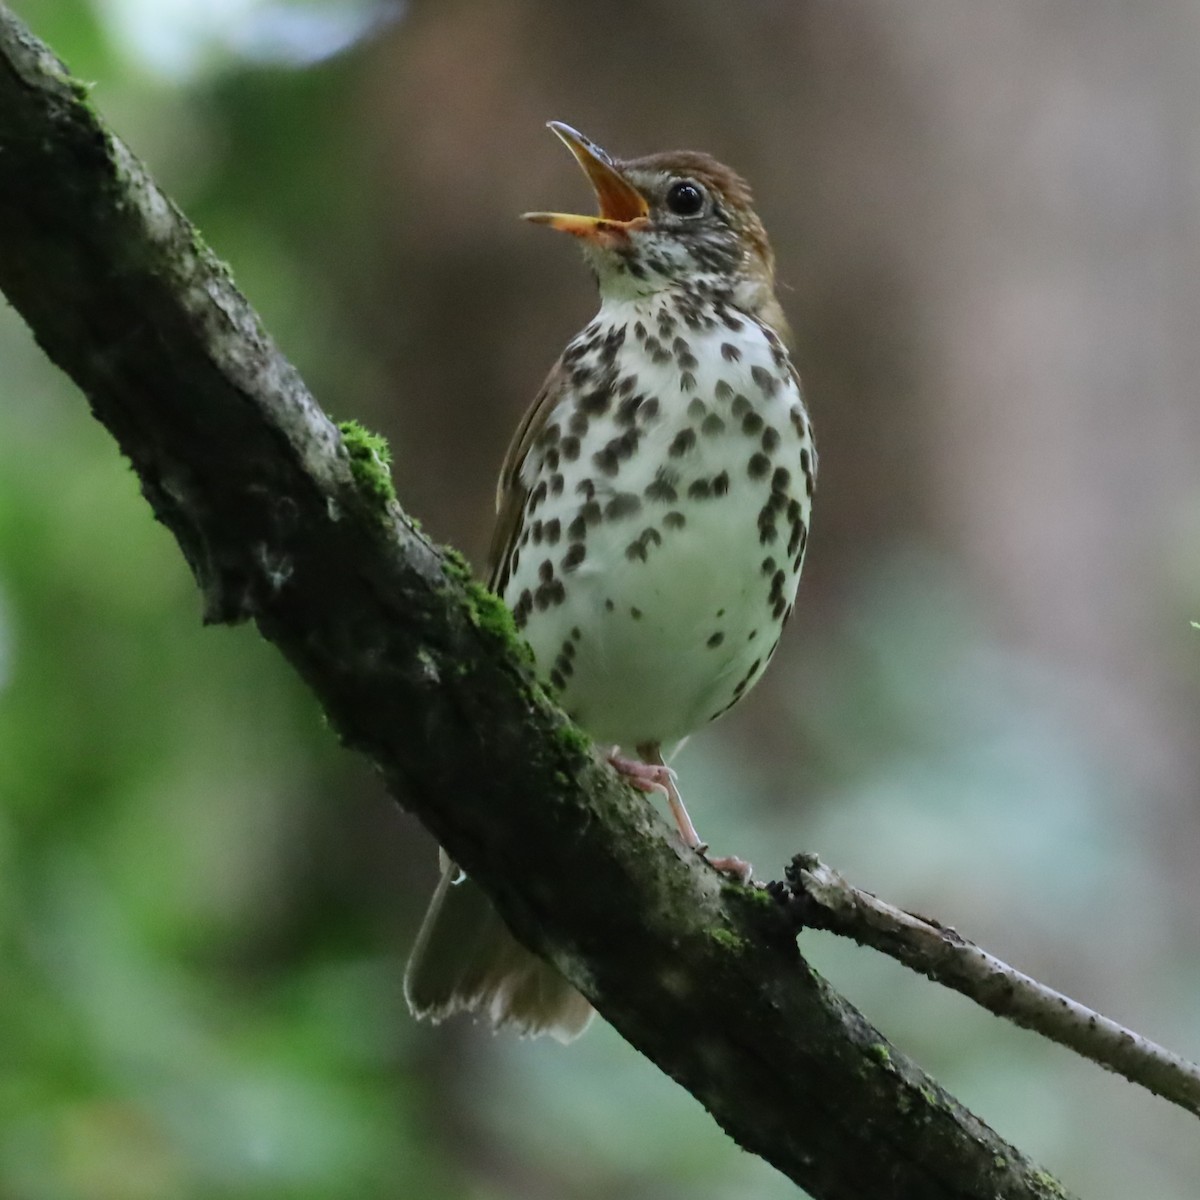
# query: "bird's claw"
[[736, 868]]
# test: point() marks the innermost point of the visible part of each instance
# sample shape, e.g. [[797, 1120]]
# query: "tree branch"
[[420, 670], [822, 899]]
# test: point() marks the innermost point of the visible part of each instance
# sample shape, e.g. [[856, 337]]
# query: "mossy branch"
[[289, 523]]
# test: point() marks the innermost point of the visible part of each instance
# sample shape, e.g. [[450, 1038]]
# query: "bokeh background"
[[986, 706]]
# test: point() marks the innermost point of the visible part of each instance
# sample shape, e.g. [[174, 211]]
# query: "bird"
[[652, 521]]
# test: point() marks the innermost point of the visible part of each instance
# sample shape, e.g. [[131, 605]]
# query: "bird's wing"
[[510, 489]]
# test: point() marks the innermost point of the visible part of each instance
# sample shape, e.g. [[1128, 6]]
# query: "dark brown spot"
[[537, 496], [606, 460], [687, 381], [722, 391], [685, 439], [797, 540], [570, 448], [712, 425], [730, 353], [636, 550], [623, 504], [649, 410], [731, 322], [699, 489], [548, 593], [716, 639], [546, 571], [797, 415], [578, 423], [781, 479], [751, 423], [768, 566], [696, 408], [765, 380], [556, 485], [758, 465], [720, 483], [537, 529], [683, 355], [609, 606], [661, 489], [741, 406], [674, 520], [585, 488], [770, 439], [635, 612], [553, 531], [523, 607], [596, 402], [577, 529], [556, 680], [624, 446], [590, 512], [627, 410]]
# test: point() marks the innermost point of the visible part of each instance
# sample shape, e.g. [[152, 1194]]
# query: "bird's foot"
[[658, 777], [646, 777], [736, 868]]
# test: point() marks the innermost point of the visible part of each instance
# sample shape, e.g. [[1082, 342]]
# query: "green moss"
[[1050, 1185], [727, 939], [486, 610], [492, 615], [370, 461], [457, 567], [880, 1053], [574, 739]]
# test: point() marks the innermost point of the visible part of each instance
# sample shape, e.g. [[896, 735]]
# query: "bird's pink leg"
[[650, 774]]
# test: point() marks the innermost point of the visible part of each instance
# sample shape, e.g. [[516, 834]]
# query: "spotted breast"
[[665, 519]]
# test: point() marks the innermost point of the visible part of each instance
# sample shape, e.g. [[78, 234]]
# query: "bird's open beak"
[[622, 206]]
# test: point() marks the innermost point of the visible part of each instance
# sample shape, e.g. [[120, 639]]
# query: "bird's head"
[[674, 220]]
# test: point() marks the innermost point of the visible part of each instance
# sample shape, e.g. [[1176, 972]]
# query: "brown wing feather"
[[510, 491]]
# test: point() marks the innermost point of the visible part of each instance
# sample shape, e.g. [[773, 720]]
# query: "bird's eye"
[[685, 198]]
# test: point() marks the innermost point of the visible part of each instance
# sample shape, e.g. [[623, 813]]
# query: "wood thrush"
[[653, 513]]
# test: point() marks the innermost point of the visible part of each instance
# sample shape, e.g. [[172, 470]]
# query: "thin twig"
[[824, 899]]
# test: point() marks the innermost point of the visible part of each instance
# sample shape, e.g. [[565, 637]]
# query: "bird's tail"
[[465, 960]]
